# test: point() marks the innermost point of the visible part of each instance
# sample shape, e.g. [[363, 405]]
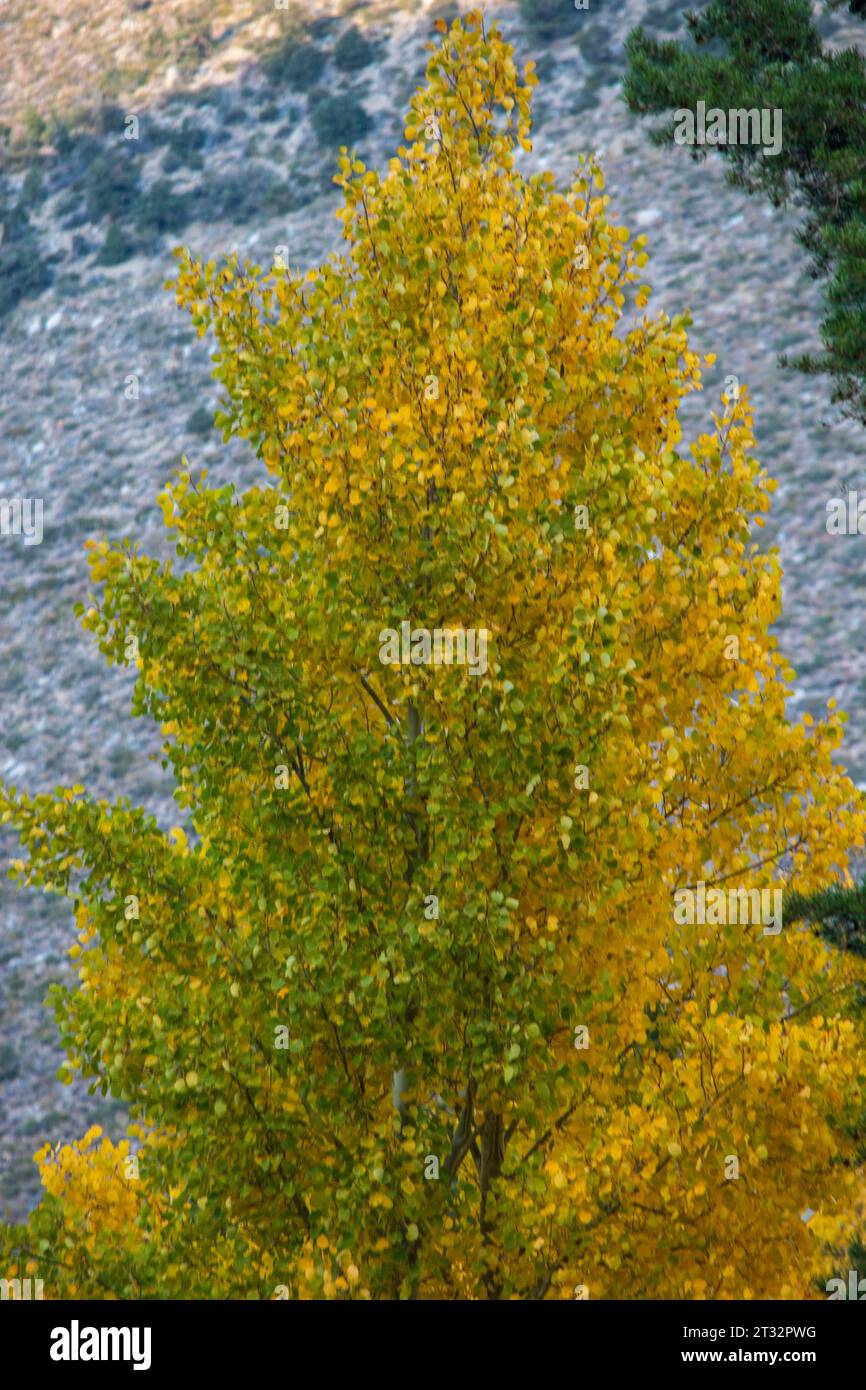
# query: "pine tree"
[[767, 54]]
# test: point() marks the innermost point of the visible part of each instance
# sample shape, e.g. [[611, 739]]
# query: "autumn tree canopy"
[[404, 1009]]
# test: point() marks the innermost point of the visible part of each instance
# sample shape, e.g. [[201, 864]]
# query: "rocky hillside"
[[126, 128]]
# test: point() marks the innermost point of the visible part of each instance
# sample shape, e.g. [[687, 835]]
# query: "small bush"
[[547, 20], [321, 27], [109, 119], [353, 51], [35, 128], [60, 137], [185, 141], [32, 189], [292, 195], [160, 209], [111, 185], [200, 421], [297, 64], [24, 272], [234, 115], [194, 48], [8, 1062], [85, 149], [15, 222], [237, 196], [339, 120], [117, 247], [172, 161], [152, 136]]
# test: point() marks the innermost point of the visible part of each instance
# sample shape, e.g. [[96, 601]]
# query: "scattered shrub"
[[547, 20], [295, 193], [297, 64], [172, 161], [35, 128], [159, 208], [32, 189], [339, 120], [22, 273], [109, 119], [320, 27], [67, 285], [237, 196], [353, 51], [15, 222], [85, 149], [111, 185], [117, 247], [194, 49], [234, 115], [8, 1062], [154, 133], [60, 137], [185, 142], [200, 421]]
